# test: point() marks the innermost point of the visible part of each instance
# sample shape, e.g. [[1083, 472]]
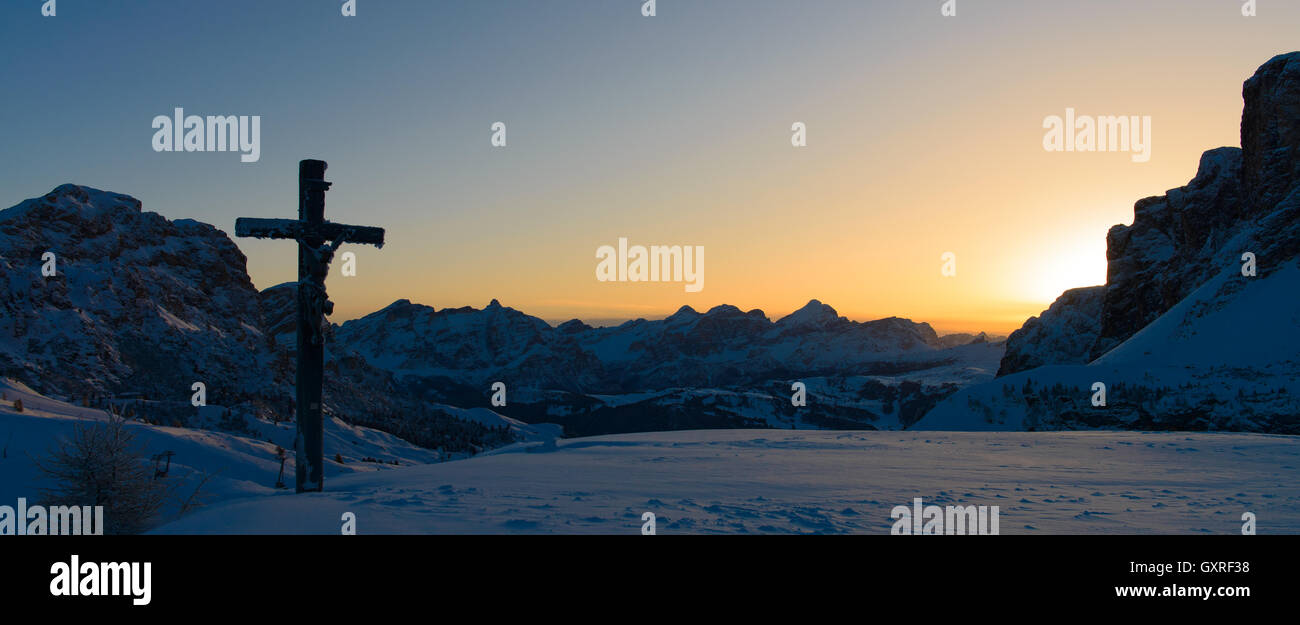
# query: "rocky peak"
[[572, 326], [813, 314], [1177, 241], [1270, 131], [1170, 248], [684, 313], [140, 303]]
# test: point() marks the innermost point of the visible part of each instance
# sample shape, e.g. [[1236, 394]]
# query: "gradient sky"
[[925, 136]]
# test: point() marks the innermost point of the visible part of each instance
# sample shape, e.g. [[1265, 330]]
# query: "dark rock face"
[[1062, 334], [279, 313], [1241, 200], [1171, 247], [1177, 241], [1270, 133], [1168, 251]]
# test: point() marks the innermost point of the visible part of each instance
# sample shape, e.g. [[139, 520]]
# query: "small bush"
[[102, 466]]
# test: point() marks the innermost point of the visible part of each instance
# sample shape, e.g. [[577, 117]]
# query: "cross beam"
[[314, 255], [260, 228]]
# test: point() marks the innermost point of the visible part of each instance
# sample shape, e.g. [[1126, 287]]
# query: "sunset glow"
[[924, 136]]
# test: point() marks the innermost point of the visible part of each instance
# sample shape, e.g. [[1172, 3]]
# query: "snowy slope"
[[1062, 334], [733, 481], [522, 431], [1230, 320], [243, 465], [1224, 358]]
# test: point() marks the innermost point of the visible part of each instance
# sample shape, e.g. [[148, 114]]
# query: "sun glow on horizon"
[[1074, 263]]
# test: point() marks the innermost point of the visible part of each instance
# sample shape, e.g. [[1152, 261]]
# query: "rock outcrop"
[[1242, 200], [137, 302], [1184, 334], [1062, 334]]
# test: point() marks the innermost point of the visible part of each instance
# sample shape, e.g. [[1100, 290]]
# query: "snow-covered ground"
[[716, 481], [778, 481], [240, 466]]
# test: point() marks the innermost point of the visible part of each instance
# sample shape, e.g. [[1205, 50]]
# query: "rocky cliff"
[[1241, 200], [1197, 323]]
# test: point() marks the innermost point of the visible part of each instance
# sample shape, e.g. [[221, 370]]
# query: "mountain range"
[[1183, 335], [143, 306]]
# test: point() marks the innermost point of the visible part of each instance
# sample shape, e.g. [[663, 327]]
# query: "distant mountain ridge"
[[144, 306], [721, 346]]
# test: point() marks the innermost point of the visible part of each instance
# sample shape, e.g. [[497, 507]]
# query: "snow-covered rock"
[[1242, 200], [1062, 334], [139, 302], [1171, 247]]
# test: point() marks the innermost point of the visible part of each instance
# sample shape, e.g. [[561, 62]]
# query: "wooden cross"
[[317, 241]]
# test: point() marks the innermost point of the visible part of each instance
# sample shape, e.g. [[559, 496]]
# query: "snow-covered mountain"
[[137, 302], [469, 347], [723, 346], [721, 368], [141, 306], [1198, 322]]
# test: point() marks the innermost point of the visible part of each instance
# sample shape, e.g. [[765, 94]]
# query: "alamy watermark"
[[1110, 133], [39, 520], [959, 520], [102, 579], [656, 263], [214, 133]]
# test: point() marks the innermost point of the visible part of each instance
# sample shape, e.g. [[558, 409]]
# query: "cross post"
[[317, 241]]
